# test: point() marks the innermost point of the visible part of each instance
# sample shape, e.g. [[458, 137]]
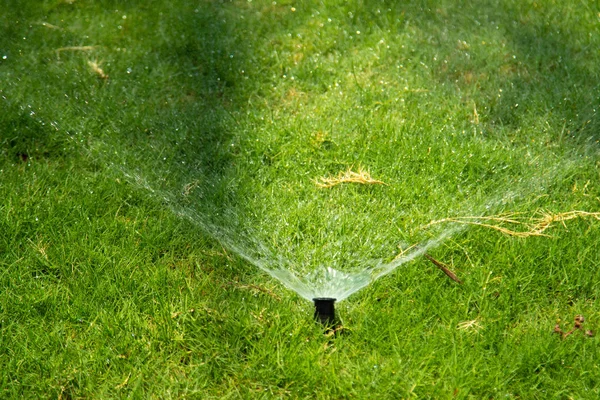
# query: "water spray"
[[325, 310]]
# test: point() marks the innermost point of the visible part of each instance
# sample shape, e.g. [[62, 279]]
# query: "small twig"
[[557, 330], [444, 268], [579, 320], [569, 333]]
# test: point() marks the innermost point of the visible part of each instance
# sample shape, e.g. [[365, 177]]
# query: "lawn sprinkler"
[[325, 310]]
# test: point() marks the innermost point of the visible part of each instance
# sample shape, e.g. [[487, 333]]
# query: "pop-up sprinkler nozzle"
[[325, 310]]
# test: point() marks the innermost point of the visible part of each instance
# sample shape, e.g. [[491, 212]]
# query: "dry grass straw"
[[48, 25], [472, 325], [349, 176], [534, 226], [74, 48], [95, 66]]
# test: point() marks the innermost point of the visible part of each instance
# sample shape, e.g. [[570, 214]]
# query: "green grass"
[[227, 112]]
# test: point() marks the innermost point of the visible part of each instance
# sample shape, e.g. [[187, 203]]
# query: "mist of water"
[[331, 283], [325, 280], [336, 278]]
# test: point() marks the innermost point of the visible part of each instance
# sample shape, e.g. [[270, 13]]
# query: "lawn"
[[153, 153]]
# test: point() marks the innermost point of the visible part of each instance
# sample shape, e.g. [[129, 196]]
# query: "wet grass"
[[116, 114]]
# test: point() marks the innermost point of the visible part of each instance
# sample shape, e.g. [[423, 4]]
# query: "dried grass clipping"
[[508, 223], [95, 66], [74, 48], [472, 325], [349, 176]]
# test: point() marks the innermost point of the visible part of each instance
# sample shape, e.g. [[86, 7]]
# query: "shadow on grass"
[[519, 62], [558, 73], [163, 108]]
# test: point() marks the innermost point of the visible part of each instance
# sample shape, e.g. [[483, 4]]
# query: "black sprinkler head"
[[325, 310]]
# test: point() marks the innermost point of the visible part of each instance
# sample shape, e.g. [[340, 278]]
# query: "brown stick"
[[579, 320], [444, 268]]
